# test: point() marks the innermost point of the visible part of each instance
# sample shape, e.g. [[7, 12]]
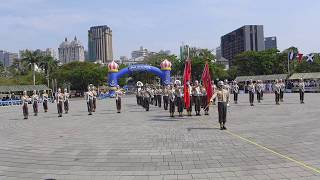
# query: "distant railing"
[[17, 102], [10, 102]]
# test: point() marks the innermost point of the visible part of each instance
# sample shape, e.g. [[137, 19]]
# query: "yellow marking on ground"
[[274, 152]]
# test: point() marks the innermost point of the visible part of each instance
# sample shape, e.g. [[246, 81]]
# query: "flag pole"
[[288, 63]]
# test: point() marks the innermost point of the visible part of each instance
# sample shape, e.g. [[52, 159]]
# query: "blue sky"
[[156, 24]]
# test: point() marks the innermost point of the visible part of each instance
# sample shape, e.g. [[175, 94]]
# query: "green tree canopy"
[[80, 74]]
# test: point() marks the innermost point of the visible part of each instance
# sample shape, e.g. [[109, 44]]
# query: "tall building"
[[139, 53], [71, 51], [246, 38], [7, 58], [2, 57], [100, 44], [186, 50], [270, 42], [218, 53]]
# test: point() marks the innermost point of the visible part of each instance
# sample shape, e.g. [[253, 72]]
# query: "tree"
[[49, 65], [252, 63], [32, 58], [80, 74]]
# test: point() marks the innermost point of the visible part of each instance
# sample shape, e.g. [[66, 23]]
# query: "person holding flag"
[[207, 88], [186, 84]]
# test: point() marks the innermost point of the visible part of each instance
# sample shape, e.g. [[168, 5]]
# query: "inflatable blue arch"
[[114, 74]]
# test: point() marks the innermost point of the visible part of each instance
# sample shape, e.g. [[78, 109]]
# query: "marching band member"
[[45, 101], [59, 99], [223, 99], [179, 96], [89, 100], [197, 97], [301, 90], [35, 99], [277, 90], [94, 100], [251, 89], [171, 93], [259, 90], [235, 89], [25, 99], [118, 93], [166, 97], [282, 89], [66, 100]]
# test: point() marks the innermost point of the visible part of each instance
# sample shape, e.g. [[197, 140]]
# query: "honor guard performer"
[[66, 100], [165, 97], [277, 90], [263, 88], [45, 101], [179, 96], [25, 100], [89, 100], [159, 96], [172, 97], [189, 88], [282, 89], [251, 90], [214, 87], [197, 97], [235, 89], [118, 93], [139, 84], [205, 103], [35, 99], [223, 99], [301, 90], [227, 87], [146, 97], [94, 100], [259, 90], [59, 100]]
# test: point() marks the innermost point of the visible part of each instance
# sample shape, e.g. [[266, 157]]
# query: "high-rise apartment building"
[[8, 58], [100, 44], [246, 38], [270, 42]]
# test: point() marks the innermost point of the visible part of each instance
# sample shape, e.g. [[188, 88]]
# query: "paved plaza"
[[262, 142]]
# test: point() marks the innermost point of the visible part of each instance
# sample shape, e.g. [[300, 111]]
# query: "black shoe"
[[25, 118], [224, 128], [221, 128], [90, 114]]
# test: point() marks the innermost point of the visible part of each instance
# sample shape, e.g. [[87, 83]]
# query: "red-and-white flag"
[[187, 78], [206, 80], [300, 57]]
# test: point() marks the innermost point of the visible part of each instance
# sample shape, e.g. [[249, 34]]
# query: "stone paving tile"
[[149, 145]]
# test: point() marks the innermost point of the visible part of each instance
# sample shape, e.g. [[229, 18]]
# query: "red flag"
[[187, 78], [300, 56], [206, 79]]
